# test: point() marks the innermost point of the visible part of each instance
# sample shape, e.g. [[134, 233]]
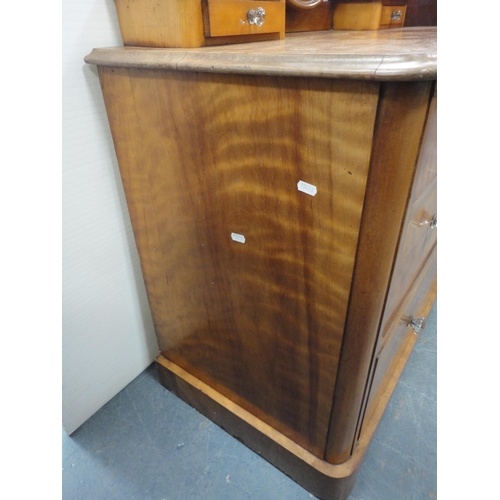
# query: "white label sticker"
[[238, 237], [306, 188]]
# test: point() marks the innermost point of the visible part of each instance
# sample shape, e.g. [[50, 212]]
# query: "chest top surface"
[[389, 55]]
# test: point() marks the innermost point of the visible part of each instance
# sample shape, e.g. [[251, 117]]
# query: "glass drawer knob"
[[257, 16], [396, 15], [417, 324]]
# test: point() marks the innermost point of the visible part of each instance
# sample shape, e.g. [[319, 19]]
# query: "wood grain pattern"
[[400, 122], [427, 163], [262, 322], [153, 23], [187, 23], [325, 481], [230, 17], [388, 55]]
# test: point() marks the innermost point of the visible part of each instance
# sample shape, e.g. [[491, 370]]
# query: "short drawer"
[[244, 17], [417, 241]]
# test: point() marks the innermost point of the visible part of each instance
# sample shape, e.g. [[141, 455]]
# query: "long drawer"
[[410, 320]]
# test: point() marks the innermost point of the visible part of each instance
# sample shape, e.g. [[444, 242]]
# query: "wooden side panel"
[[400, 122], [165, 23], [203, 156]]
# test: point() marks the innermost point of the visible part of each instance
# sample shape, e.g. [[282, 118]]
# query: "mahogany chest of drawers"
[[283, 201]]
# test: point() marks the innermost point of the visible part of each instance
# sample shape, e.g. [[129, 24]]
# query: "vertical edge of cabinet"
[[325, 481], [120, 106], [399, 127]]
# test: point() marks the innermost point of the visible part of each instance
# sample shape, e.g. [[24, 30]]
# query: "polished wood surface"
[[153, 23], [196, 23], [281, 310], [262, 322], [357, 16], [318, 18], [325, 481], [387, 55], [427, 163], [400, 122]]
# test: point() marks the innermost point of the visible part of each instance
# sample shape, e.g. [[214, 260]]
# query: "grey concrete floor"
[[147, 444]]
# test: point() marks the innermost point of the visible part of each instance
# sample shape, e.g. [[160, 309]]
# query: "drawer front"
[[392, 16], [417, 307], [418, 238], [234, 17]]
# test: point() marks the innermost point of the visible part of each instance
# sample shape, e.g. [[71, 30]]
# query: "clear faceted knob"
[[427, 220], [396, 15], [417, 324], [257, 16]]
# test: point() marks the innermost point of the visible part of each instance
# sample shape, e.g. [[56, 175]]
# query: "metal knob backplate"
[[257, 16]]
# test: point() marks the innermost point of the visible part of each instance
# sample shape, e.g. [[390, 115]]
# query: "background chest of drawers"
[[283, 201]]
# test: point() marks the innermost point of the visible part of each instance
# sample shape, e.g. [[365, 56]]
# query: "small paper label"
[[238, 237], [306, 188]]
